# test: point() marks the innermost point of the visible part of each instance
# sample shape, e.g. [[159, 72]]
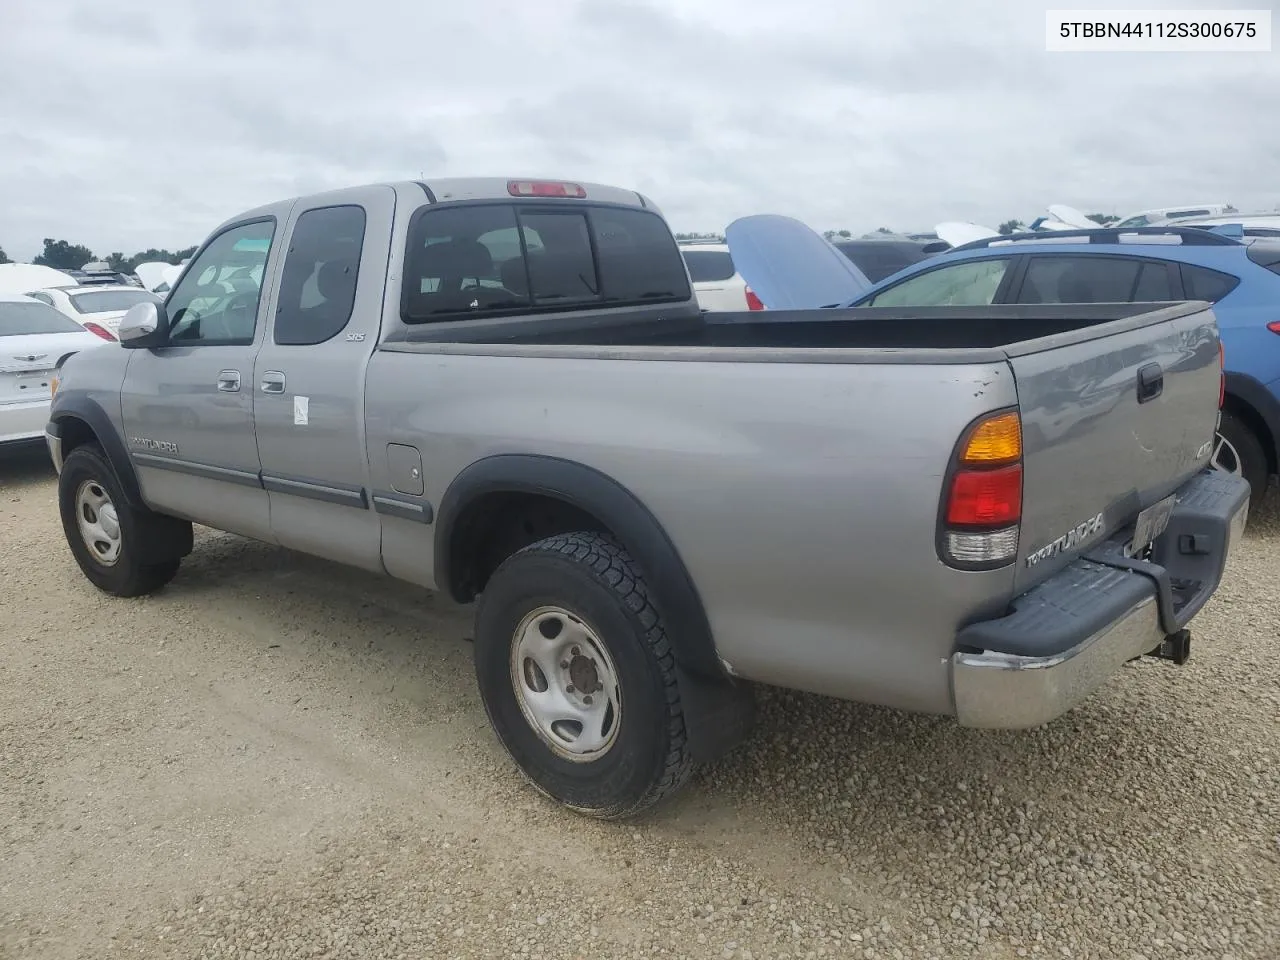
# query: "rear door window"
[[493, 259], [318, 282], [1094, 279]]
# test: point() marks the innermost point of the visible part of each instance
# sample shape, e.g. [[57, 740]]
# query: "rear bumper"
[[24, 421], [1065, 637]]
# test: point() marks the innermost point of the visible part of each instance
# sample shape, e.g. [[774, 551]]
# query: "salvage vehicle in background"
[[878, 258], [506, 390], [98, 308], [716, 281], [1240, 277], [35, 341]]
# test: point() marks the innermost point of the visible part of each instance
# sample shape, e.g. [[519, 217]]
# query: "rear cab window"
[[497, 258]]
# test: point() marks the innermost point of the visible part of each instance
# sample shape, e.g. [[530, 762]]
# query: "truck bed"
[[951, 328]]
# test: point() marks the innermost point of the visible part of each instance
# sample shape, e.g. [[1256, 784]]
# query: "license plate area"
[[1150, 524], [27, 385]]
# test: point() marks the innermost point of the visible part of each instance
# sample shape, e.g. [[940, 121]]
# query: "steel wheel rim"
[[1225, 457], [566, 684], [98, 523]]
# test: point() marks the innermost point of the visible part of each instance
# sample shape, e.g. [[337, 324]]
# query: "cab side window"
[[318, 282], [216, 301]]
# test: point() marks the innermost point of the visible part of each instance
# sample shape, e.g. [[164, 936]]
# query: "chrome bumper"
[[54, 443], [1004, 691], [1069, 635]]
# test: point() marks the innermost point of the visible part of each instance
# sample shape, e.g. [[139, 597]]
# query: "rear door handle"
[[273, 382], [229, 381], [1150, 382]]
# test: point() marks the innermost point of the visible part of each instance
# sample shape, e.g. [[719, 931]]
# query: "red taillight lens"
[[545, 188], [986, 498], [1274, 326], [753, 302], [99, 330], [1222, 371]]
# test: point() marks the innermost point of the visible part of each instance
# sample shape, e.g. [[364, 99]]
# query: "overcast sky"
[[134, 123]]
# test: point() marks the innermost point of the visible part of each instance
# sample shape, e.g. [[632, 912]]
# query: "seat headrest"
[[335, 279]]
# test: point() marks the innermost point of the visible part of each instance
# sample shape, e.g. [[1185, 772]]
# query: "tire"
[[586, 587], [1244, 447], [124, 571]]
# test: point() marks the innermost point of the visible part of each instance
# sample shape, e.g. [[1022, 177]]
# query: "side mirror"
[[145, 325]]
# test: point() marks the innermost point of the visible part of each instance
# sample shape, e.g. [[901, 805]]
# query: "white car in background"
[[98, 308], [35, 340], [716, 282]]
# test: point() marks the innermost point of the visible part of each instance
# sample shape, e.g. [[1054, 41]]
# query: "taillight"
[[545, 188], [1222, 372], [1273, 326], [99, 330], [982, 510], [753, 302]]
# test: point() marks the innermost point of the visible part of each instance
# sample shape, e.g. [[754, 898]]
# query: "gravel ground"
[[276, 757]]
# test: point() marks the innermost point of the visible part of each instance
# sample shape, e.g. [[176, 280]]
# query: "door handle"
[[1150, 382], [273, 382], [229, 381]]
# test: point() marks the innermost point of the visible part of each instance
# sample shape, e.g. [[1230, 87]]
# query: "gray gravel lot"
[[277, 757]]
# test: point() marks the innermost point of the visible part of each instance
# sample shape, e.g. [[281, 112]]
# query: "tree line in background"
[[1006, 228], [62, 255]]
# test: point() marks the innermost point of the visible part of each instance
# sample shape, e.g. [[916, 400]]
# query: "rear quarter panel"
[[802, 497]]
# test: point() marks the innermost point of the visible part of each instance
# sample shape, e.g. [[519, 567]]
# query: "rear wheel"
[[1238, 450], [108, 537], [578, 677]]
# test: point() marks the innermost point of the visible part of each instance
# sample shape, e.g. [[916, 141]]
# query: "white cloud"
[[138, 124]]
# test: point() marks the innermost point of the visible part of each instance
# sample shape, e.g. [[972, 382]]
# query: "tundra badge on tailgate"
[[1068, 541]]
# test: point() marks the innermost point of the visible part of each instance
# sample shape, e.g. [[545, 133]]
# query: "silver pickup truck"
[[505, 391]]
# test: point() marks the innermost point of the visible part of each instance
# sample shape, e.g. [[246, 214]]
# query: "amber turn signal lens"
[[997, 439]]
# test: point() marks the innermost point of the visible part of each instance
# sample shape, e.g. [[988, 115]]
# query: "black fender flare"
[[718, 710], [1262, 402], [80, 406]]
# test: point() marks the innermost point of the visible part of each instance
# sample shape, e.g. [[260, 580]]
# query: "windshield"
[[20, 319], [104, 301]]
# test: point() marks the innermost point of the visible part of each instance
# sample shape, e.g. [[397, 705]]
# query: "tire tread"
[[609, 561]]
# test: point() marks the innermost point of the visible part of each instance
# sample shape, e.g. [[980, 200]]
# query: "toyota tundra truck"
[[504, 390]]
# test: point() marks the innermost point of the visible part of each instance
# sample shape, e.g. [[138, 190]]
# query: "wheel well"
[[1242, 411], [496, 525], [74, 433]]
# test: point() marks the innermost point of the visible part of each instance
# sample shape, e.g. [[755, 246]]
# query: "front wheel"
[[114, 543], [578, 677]]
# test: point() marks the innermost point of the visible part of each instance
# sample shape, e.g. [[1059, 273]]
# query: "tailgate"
[[1114, 418]]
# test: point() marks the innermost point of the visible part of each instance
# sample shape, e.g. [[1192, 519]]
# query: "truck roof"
[[453, 189]]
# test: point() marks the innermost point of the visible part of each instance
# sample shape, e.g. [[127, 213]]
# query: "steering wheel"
[[239, 314]]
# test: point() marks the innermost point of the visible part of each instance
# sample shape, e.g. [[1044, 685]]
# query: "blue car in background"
[[1239, 275], [790, 267]]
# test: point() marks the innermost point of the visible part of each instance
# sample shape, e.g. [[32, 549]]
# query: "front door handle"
[[273, 382], [1150, 382], [229, 381]]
